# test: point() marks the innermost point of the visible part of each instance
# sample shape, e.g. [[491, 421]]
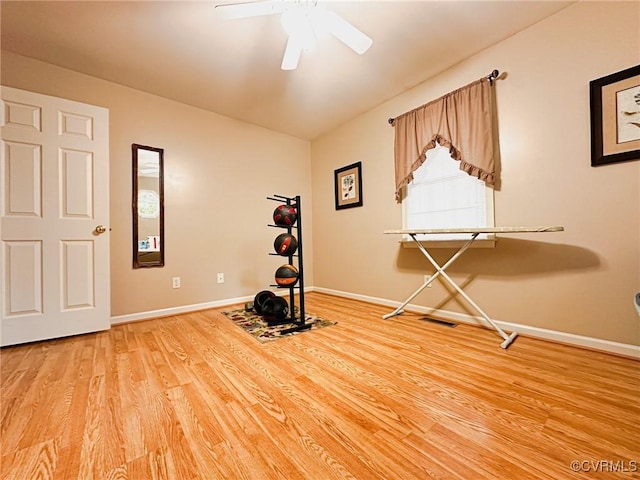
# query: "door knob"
[[100, 229]]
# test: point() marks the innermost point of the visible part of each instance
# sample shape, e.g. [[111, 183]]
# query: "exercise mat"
[[254, 325]]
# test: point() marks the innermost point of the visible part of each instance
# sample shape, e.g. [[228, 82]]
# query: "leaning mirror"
[[148, 206]]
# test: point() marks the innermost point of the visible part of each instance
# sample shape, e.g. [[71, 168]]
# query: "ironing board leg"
[[400, 309], [508, 339], [428, 282]]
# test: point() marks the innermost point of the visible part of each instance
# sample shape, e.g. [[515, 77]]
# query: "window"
[[443, 196]]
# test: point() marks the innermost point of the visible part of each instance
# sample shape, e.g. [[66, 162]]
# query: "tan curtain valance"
[[462, 121]]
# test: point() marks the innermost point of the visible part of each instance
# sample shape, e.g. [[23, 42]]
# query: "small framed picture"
[[348, 186], [615, 117]]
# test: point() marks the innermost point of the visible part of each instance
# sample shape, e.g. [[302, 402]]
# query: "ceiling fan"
[[304, 21]]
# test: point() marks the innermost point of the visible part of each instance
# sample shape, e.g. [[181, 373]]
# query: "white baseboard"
[[166, 312], [624, 349]]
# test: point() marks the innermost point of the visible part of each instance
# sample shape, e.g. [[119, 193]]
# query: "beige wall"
[[218, 173], [580, 281]]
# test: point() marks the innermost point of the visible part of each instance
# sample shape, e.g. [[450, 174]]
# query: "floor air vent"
[[444, 323]]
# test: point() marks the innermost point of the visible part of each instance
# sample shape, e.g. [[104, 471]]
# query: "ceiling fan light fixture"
[[304, 22]]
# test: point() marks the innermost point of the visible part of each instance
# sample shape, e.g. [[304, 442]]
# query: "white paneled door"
[[54, 214]]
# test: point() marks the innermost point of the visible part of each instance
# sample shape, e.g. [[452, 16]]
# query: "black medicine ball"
[[285, 244], [285, 215], [275, 309], [260, 298]]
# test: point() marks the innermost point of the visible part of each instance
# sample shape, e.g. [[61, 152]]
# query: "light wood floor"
[[194, 397]]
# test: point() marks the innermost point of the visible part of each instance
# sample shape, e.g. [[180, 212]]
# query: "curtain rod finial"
[[391, 121]]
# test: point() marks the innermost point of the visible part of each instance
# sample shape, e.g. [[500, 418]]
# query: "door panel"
[[23, 262], [22, 115], [77, 274], [76, 188], [54, 277], [23, 184]]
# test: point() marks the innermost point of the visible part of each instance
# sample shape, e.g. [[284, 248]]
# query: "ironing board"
[[440, 270]]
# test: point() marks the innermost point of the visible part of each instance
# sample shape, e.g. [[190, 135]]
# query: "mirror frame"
[[135, 148]]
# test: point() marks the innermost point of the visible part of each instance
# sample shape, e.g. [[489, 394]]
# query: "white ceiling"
[[186, 51]]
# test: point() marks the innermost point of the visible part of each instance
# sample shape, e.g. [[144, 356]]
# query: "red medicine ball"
[[285, 215], [285, 244]]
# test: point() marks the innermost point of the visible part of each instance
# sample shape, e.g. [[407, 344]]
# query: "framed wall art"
[[348, 186], [615, 117]]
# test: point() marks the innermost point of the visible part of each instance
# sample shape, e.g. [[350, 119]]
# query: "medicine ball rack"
[[300, 320]]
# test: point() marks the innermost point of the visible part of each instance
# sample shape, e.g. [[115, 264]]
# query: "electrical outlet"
[[221, 278], [426, 278], [175, 282]]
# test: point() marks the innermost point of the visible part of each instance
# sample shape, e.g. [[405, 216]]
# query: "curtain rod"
[[491, 77]]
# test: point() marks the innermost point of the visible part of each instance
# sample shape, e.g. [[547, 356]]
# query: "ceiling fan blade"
[[292, 53], [232, 11], [346, 33]]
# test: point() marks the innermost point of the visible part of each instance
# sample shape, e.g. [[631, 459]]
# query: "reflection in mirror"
[[148, 206]]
